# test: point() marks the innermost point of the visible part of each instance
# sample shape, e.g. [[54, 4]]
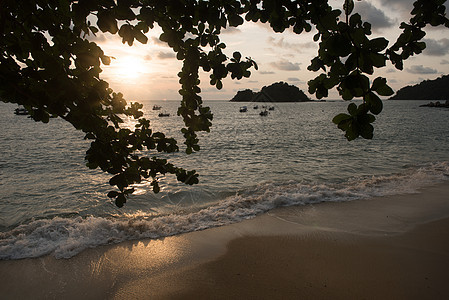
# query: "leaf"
[[120, 201], [348, 6], [379, 82], [374, 102], [352, 109], [340, 117], [106, 22], [378, 44], [353, 131], [113, 194], [156, 188], [140, 36], [235, 20], [237, 56], [366, 131], [380, 86]]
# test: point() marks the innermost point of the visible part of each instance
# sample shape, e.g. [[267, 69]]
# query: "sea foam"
[[66, 237]]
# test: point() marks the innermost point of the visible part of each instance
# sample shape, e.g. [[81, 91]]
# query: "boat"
[[271, 108], [157, 107], [21, 111], [256, 106], [264, 113], [243, 109], [163, 114]]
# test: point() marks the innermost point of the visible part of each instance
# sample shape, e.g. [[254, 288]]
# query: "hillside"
[[277, 92], [437, 89]]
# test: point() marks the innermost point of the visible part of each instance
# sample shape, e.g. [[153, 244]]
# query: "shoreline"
[[392, 247]]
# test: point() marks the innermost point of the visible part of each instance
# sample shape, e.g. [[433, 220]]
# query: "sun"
[[129, 67]]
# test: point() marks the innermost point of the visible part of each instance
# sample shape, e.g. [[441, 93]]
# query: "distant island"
[[437, 89], [277, 92]]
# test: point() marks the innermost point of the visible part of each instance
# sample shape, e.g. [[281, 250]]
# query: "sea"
[[52, 204]]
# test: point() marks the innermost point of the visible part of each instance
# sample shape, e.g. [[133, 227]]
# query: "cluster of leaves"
[[346, 53], [349, 57], [48, 65]]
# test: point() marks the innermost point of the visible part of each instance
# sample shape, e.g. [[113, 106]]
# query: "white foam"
[[66, 237]]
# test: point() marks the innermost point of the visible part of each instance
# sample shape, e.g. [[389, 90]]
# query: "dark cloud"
[[285, 65], [444, 62], [398, 5], [403, 8], [373, 15], [266, 72], [436, 48], [166, 55], [295, 79], [420, 69]]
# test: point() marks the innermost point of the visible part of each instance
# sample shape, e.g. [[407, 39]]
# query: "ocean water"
[[50, 203]]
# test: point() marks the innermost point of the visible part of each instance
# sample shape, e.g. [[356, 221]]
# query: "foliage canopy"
[[48, 65]]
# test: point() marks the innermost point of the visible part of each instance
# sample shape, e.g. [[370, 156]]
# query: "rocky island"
[[437, 89], [436, 104], [277, 92]]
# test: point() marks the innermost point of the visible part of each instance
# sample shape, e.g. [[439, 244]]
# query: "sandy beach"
[[393, 247]]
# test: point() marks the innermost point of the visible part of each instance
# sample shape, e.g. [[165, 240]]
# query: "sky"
[[149, 72]]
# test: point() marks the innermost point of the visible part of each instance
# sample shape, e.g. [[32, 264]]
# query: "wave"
[[66, 237]]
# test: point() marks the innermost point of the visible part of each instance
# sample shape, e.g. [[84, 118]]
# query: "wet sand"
[[394, 247]]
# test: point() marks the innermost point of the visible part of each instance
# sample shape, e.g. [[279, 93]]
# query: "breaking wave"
[[65, 237]]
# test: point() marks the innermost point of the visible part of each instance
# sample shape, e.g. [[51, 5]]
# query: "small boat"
[[163, 114], [271, 108], [256, 106], [243, 109], [264, 113], [21, 111], [157, 107]]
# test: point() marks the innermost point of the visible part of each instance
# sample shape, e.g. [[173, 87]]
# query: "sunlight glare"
[[129, 67]]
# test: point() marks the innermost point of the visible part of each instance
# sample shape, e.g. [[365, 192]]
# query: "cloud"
[[420, 69], [166, 55], [266, 72], [231, 30], [391, 70], [158, 42], [147, 57], [99, 37], [285, 65], [436, 48], [295, 79], [286, 45], [373, 15], [402, 8], [403, 5], [444, 62]]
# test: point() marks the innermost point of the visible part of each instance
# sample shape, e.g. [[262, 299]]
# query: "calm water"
[[50, 203]]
